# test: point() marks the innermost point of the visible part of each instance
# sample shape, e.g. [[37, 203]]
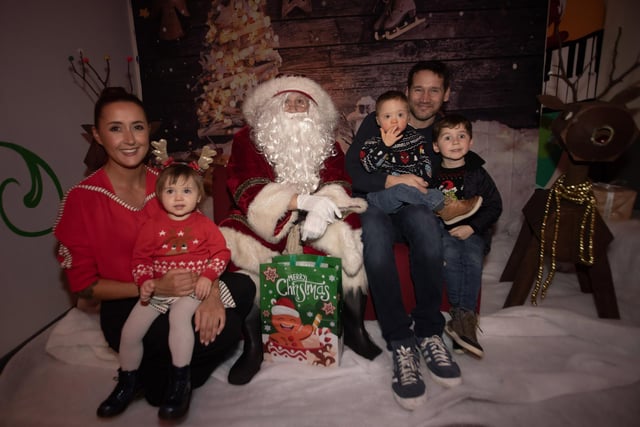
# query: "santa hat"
[[284, 306], [281, 85]]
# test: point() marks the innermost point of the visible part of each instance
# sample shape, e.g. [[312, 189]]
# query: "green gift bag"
[[301, 305]]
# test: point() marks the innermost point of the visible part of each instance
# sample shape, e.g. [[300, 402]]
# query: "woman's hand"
[[176, 283], [210, 317], [88, 305]]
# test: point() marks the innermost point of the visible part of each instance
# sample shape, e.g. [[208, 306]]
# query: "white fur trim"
[[340, 197], [255, 101], [269, 205], [350, 284], [342, 241], [246, 252]]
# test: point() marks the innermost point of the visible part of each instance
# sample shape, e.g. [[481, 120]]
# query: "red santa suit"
[[272, 162], [260, 224]]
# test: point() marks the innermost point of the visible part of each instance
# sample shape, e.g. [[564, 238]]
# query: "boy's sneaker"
[[462, 330], [469, 327], [457, 348], [449, 326], [454, 329], [444, 370], [407, 384], [457, 210]]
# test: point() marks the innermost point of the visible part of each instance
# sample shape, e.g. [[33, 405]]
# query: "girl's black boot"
[[178, 395], [127, 389]]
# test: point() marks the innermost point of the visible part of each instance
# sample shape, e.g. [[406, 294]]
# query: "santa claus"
[[291, 192]]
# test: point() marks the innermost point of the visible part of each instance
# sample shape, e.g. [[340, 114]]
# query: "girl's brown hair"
[[174, 172]]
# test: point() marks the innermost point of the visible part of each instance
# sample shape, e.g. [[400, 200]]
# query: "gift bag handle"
[[293, 260]]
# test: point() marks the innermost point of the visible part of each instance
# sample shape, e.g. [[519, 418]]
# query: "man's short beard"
[[295, 146]]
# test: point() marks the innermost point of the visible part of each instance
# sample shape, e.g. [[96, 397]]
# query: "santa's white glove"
[[322, 206], [313, 227]]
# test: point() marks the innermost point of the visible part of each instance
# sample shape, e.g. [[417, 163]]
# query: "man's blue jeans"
[[463, 261], [417, 226], [391, 199]]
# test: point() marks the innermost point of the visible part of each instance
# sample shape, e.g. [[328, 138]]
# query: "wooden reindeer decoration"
[[562, 224]]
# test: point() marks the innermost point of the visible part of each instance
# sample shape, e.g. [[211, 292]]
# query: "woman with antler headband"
[[98, 224]]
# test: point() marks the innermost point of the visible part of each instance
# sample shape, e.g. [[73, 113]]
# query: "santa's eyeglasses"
[[296, 103]]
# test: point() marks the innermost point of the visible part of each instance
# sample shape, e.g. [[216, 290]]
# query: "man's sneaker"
[[443, 369], [407, 384], [462, 330], [457, 210]]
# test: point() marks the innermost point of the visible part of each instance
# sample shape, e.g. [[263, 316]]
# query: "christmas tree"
[[240, 52]]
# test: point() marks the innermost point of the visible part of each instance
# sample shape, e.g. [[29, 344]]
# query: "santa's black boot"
[[248, 364], [178, 397], [127, 389], [356, 336]]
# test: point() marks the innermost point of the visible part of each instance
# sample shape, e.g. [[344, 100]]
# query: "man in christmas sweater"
[[291, 192]]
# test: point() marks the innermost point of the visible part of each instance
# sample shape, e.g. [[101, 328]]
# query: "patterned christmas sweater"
[[409, 155], [164, 244]]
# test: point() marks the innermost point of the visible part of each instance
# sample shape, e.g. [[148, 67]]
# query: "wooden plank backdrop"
[[494, 47]]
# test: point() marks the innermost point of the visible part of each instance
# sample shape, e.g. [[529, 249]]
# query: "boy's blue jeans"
[[391, 199], [463, 261]]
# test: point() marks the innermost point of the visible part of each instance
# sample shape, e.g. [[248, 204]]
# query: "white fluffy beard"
[[295, 146]]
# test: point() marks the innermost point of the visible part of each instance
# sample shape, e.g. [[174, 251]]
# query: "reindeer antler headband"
[[201, 165]]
